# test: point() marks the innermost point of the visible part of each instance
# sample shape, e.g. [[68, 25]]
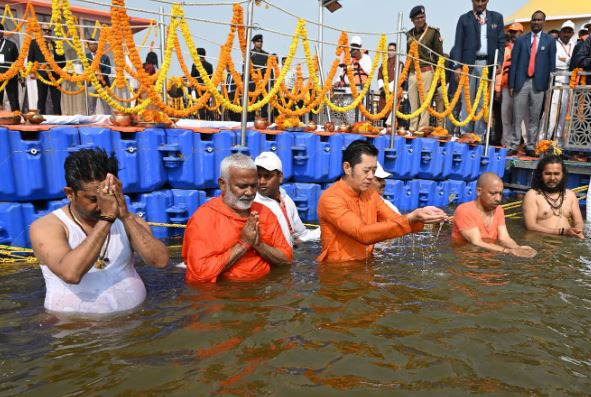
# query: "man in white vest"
[[271, 195], [87, 248]]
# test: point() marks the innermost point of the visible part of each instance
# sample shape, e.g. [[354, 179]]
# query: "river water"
[[424, 318]]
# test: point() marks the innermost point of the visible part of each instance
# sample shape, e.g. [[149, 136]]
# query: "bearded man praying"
[[231, 236]]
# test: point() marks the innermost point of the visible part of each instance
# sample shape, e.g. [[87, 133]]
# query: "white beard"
[[236, 202]]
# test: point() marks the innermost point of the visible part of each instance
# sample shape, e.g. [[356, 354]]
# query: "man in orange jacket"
[[353, 216], [231, 236]]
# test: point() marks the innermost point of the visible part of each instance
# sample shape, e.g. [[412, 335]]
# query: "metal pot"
[[121, 119], [260, 123], [329, 126], [36, 119], [344, 127]]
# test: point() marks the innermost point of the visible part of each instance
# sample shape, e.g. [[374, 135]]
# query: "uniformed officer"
[[430, 48], [259, 58], [8, 55]]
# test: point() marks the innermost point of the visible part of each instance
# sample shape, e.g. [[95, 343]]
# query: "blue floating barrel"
[[494, 162], [58, 143], [410, 196], [469, 192], [37, 209], [408, 157], [167, 206], [281, 145], [427, 192], [394, 192], [449, 188], [289, 189], [140, 162], [392, 155], [152, 207], [431, 158], [193, 158], [305, 197], [464, 162], [13, 230], [211, 193], [253, 143], [34, 163], [317, 157], [184, 204], [9, 176], [382, 143]]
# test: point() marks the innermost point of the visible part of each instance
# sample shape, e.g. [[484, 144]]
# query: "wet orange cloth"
[[211, 233], [468, 216], [350, 224]]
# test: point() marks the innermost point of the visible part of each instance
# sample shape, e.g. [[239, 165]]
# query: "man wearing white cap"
[[271, 195], [360, 63], [379, 182], [564, 52]]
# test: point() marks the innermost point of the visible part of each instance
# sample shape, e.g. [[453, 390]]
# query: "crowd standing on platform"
[[520, 90]]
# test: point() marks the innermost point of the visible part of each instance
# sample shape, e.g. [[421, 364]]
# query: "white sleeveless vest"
[[115, 288]]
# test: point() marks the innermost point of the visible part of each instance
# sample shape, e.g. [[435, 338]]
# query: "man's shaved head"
[[487, 179]]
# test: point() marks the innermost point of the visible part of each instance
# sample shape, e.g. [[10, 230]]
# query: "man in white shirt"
[[564, 51], [379, 182], [360, 63], [271, 195]]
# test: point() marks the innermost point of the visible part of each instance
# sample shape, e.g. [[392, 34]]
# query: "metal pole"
[[320, 49], [328, 114], [162, 45], [246, 79], [396, 76], [269, 110], [490, 105], [85, 83]]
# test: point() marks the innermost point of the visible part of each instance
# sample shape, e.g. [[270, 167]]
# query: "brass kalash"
[[374, 101]]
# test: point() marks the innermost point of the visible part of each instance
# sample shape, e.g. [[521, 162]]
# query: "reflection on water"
[[424, 318]]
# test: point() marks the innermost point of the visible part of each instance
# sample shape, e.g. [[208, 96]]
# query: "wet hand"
[[117, 188], [428, 215], [106, 201], [523, 251], [574, 232], [249, 232]]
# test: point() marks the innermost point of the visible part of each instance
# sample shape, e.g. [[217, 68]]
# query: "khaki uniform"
[[429, 52]]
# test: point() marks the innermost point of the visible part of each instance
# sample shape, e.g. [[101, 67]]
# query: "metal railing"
[[567, 112]]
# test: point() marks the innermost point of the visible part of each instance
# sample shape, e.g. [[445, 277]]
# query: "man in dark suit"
[[35, 55], [259, 58], [479, 33], [204, 114], [105, 70], [532, 60], [8, 55]]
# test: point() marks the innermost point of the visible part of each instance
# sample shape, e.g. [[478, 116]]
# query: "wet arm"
[[274, 256], [473, 237], [50, 245], [152, 250], [353, 226]]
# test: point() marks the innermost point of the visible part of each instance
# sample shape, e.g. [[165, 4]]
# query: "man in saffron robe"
[[353, 216], [231, 236]]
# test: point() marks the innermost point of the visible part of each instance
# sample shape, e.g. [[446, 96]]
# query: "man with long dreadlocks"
[[548, 206]]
